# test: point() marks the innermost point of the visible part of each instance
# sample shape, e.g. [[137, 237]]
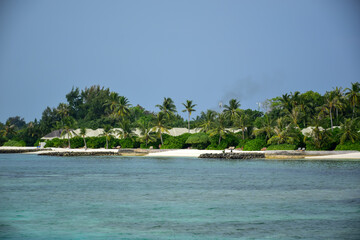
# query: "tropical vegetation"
[[310, 120]]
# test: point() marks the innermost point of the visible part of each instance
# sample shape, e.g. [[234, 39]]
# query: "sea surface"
[[43, 197]]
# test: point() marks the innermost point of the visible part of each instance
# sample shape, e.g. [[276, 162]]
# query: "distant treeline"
[[330, 120]]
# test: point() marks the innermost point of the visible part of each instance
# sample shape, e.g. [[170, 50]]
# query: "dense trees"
[[308, 119]]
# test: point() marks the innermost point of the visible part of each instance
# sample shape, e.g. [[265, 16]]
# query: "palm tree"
[[349, 131], [339, 94], [83, 135], [122, 107], [9, 129], [232, 110], [189, 107], [67, 125], [286, 102], [127, 129], [332, 101], [63, 110], [242, 122], [283, 133], [208, 120], [112, 102], [107, 132], [353, 95], [319, 137], [294, 115], [146, 133], [160, 126], [267, 127], [168, 107], [219, 127]]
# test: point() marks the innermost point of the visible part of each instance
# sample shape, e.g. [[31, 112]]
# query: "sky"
[[202, 50]]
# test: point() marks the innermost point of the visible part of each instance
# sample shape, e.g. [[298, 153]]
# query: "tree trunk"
[[107, 142], [331, 120], [189, 124], [85, 143], [161, 139], [243, 134], [353, 112], [219, 139], [69, 139]]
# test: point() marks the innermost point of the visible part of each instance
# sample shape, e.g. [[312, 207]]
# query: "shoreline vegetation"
[[102, 121]]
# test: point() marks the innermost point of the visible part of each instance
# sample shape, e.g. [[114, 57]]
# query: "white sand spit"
[[338, 156]]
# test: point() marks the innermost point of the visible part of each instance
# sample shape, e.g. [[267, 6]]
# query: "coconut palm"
[[353, 95], [8, 130], [122, 107], [168, 107], [283, 133], [349, 131], [127, 130], [267, 128], [107, 132], [295, 115], [112, 103], [243, 123], [286, 102], [146, 133], [160, 126], [207, 121], [319, 136], [331, 102], [232, 110], [219, 127], [67, 126], [63, 110], [189, 107], [83, 135], [339, 94]]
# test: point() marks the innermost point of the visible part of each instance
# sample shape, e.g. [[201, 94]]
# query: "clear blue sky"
[[206, 51]]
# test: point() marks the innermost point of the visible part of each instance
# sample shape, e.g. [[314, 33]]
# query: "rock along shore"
[[245, 155]]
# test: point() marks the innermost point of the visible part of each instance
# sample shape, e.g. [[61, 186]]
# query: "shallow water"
[[44, 197]]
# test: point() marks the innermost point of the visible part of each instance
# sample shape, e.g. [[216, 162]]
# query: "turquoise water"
[[44, 197]]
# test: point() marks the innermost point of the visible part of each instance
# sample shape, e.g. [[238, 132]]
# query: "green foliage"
[[124, 143], [241, 143], [96, 142], [57, 143], [230, 140], [255, 144], [13, 143], [2, 140], [348, 146], [198, 140], [282, 147], [176, 142]]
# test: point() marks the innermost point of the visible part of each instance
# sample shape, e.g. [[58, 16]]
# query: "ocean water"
[[43, 197]]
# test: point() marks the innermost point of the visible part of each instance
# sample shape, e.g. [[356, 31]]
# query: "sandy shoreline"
[[194, 153]]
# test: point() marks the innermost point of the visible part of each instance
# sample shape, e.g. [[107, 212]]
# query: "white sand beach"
[[337, 156]]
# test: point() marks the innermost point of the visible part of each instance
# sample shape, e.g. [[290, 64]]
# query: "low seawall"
[[20, 149], [242, 155]]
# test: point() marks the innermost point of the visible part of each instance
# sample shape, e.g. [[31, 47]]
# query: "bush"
[[230, 140], [198, 140], [255, 144], [123, 143], [175, 142], [96, 142], [282, 147], [13, 143], [56, 142], [2, 140], [241, 143], [348, 146]]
